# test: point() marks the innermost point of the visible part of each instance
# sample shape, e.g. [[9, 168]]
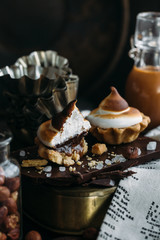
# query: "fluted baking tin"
[[37, 86]]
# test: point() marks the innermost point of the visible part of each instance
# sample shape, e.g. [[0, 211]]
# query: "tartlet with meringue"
[[61, 139], [115, 122]]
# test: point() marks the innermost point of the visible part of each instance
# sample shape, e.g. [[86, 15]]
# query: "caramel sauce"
[[143, 92]]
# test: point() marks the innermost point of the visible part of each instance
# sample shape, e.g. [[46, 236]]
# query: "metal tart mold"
[[36, 87]]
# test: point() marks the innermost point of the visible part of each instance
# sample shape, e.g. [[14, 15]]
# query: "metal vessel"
[[67, 210]]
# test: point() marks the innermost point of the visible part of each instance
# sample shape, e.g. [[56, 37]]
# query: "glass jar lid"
[[147, 31]]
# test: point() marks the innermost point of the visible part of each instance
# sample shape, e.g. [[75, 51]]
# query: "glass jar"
[[143, 83], [10, 193]]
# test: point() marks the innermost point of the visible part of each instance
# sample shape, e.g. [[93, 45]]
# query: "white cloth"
[[134, 212]]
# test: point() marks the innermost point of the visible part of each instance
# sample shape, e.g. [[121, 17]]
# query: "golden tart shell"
[[120, 135]]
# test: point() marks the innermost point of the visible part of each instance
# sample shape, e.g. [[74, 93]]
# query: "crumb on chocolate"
[[68, 161], [72, 169], [79, 163], [34, 163], [99, 148]]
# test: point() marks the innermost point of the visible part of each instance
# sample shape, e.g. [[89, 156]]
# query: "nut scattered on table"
[[132, 152], [33, 235]]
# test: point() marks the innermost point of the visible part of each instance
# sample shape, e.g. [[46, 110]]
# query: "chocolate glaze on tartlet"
[[84, 175]]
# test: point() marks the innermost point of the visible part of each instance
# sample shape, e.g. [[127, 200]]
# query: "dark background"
[[93, 34]]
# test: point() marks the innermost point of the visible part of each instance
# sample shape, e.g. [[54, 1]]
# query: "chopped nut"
[[79, 163], [92, 163], [99, 148], [72, 169], [88, 158], [39, 168], [34, 163], [75, 156], [67, 161]]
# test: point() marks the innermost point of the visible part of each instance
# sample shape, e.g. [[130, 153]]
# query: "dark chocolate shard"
[[60, 118], [103, 182]]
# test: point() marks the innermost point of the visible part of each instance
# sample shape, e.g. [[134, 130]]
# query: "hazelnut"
[[14, 195], [14, 234], [3, 236], [33, 235], [11, 222], [132, 152], [3, 213], [11, 205], [4, 193], [13, 183], [2, 176]]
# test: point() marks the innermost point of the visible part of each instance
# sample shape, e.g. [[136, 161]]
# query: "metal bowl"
[[66, 210]]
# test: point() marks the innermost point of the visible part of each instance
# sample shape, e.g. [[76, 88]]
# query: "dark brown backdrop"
[[94, 35]]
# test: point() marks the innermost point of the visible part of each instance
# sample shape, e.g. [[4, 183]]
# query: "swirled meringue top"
[[63, 127], [114, 112]]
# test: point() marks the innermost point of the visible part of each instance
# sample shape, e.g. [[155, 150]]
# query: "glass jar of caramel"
[[143, 83], [10, 194]]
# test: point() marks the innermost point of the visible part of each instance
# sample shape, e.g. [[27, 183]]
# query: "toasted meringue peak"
[[113, 102], [63, 127]]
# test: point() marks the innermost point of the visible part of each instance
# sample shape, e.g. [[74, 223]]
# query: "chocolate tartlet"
[[114, 122]]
